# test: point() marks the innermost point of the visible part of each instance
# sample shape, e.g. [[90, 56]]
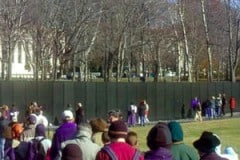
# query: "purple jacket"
[[65, 132], [159, 154]]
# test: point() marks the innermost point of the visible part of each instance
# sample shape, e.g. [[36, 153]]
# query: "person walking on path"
[[196, 107]]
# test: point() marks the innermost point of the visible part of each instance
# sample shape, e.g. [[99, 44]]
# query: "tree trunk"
[[188, 57], [210, 68]]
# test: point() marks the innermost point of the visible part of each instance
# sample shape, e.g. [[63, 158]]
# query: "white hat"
[[14, 118], [79, 104], [67, 115]]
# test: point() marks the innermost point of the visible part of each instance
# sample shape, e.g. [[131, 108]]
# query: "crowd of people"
[[138, 114], [212, 108], [77, 138]]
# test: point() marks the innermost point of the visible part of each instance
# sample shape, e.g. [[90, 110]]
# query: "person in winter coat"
[[84, 141], [206, 146], [232, 104], [72, 152], [64, 132], [159, 142], [179, 149], [118, 148]]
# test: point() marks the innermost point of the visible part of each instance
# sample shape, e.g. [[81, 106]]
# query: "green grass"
[[227, 129]]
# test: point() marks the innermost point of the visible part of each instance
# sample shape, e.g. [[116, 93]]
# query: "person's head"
[[132, 139], [176, 131], [118, 130], [114, 115], [4, 112], [40, 130], [98, 125], [105, 137], [207, 142], [72, 152], [78, 105], [67, 116], [159, 136], [142, 102], [32, 119]]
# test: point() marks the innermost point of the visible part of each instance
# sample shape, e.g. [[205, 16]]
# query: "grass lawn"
[[227, 129]]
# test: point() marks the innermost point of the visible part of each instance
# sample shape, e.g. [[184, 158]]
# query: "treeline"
[[196, 39]]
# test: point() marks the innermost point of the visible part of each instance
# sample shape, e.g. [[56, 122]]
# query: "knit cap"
[[118, 129], [40, 130], [176, 131], [32, 118], [72, 152], [159, 136]]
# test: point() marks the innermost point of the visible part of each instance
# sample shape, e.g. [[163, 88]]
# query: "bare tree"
[[11, 19], [233, 46]]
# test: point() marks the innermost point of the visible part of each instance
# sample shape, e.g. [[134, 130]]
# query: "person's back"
[[29, 130], [64, 132], [180, 150], [83, 140], [118, 149], [159, 142], [206, 146]]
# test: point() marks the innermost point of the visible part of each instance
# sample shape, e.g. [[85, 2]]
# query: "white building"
[[19, 69]]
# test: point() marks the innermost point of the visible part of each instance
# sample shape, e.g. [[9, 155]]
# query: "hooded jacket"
[[83, 140], [180, 150]]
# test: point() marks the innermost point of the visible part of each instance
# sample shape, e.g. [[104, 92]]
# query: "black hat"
[[207, 142]]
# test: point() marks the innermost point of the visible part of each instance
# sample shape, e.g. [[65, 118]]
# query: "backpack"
[[36, 150], [112, 155]]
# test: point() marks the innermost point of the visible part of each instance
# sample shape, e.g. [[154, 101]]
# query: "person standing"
[[146, 112], [118, 148], [232, 104], [159, 142], [132, 110], [83, 138], [64, 132], [212, 105], [223, 104], [4, 122], [80, 113], [142, 112], [206, 145], [179, 149], [196, 107], [218, 103]]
